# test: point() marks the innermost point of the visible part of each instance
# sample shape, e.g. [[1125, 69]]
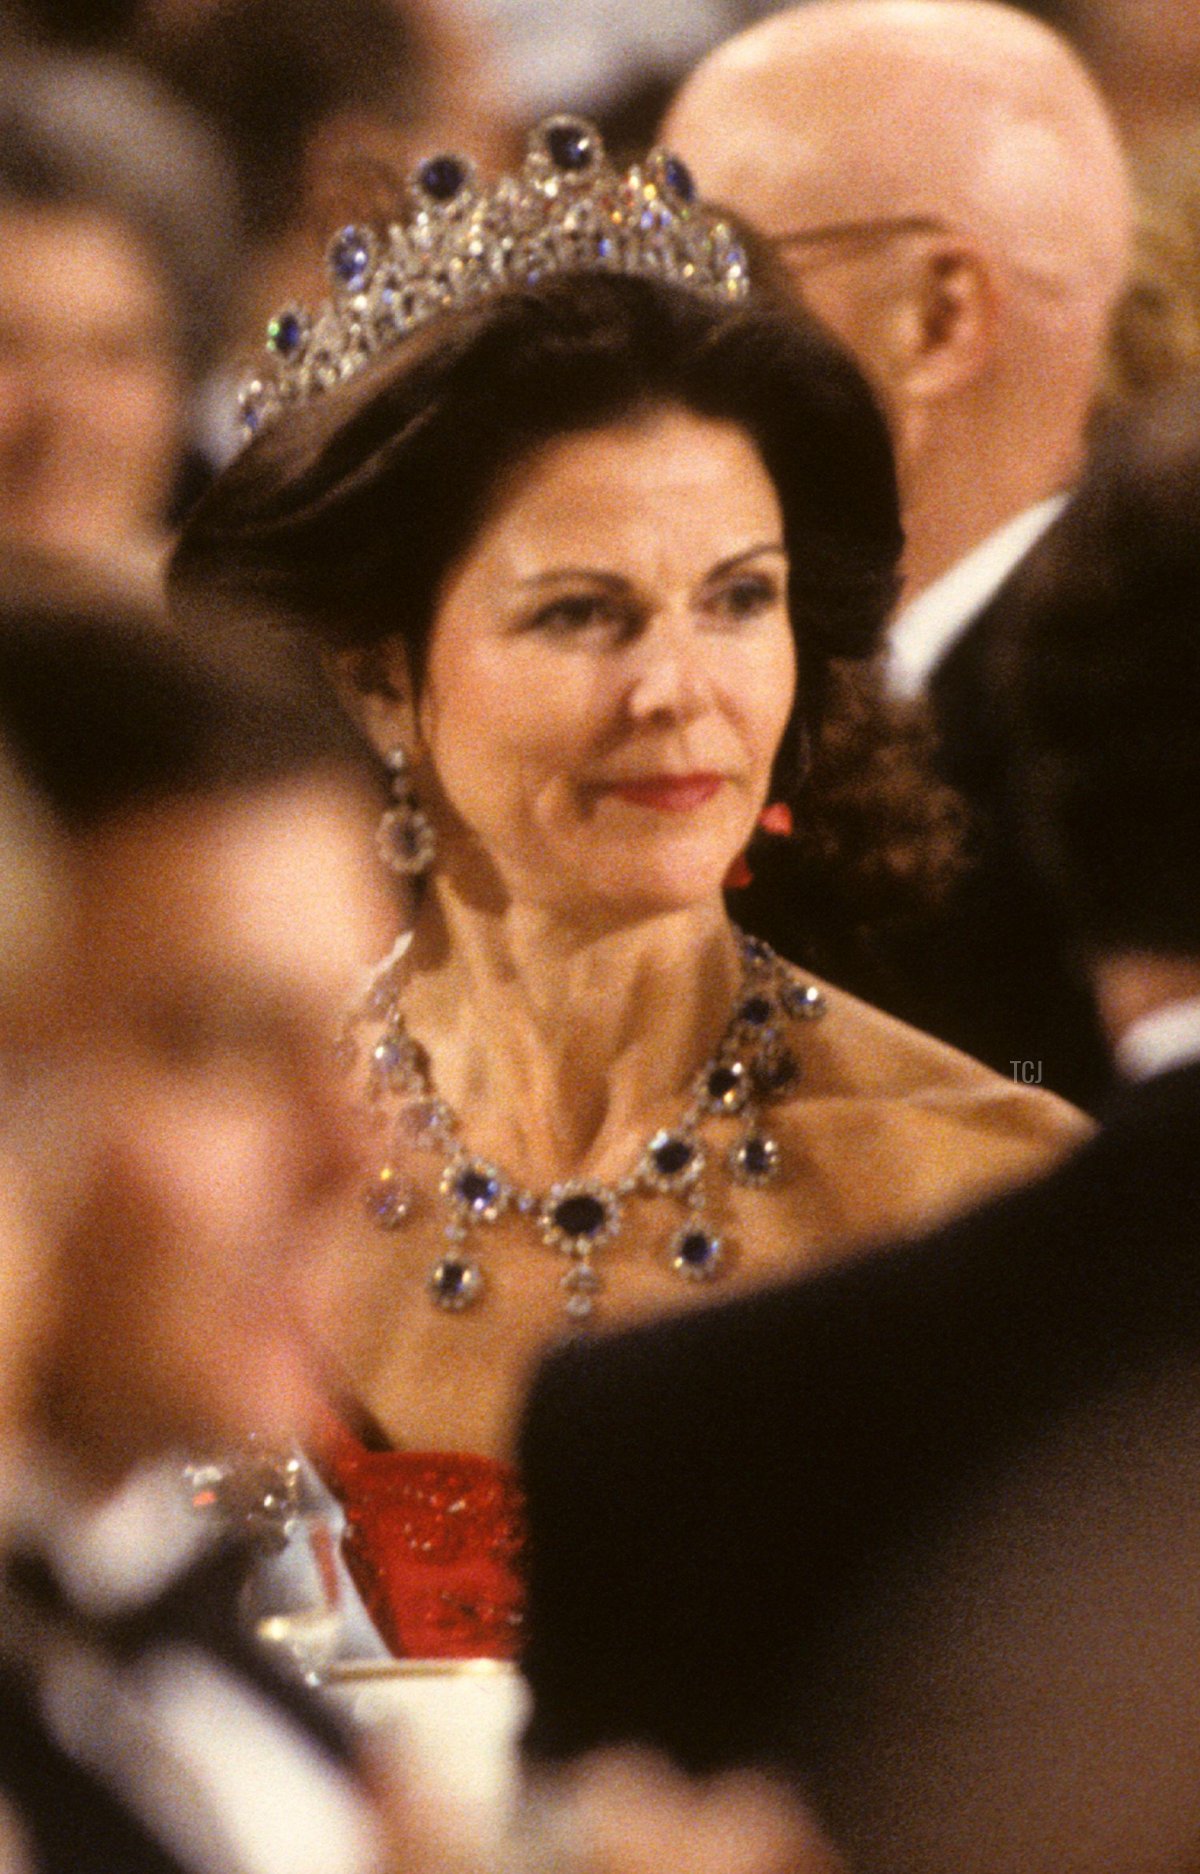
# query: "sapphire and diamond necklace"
[[753, 1065]]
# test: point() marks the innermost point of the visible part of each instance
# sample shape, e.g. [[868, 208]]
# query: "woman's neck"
[[561, 1050]]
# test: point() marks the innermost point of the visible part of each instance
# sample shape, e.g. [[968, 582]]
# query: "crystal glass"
[[295, 1601]]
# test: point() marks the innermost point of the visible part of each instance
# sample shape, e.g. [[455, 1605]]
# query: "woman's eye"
[[745, 597], [579, 612]]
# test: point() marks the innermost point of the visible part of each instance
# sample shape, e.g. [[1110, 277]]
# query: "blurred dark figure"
[[215, 815], [72, 25], [327, 109], [340, 71], [117, 233], [926, 1528], [32, 904]]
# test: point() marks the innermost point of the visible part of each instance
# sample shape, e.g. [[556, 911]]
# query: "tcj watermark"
[[1027, 1073]]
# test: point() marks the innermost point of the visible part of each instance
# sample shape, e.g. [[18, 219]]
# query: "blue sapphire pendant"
[[755, 1160], [755, 1011], [804, 1001], [455, 1282], [775, 1072], [578, 1217], [476, 1190], [672, 1162], [696, 1253], [726, 1088]]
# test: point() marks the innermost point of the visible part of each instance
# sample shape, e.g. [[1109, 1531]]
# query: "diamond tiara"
[[567, 209]]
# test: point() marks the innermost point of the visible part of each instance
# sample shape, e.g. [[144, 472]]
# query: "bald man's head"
[[948, 192], [964, 110]]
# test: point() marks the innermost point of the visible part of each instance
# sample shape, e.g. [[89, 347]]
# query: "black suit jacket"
[[994, 974], [728, 1509], [74, 1820]]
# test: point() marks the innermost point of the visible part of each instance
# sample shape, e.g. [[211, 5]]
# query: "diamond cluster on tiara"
[[567, 209]]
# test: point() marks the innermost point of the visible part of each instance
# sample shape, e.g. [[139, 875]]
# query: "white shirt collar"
[[1167, 1038], [925, 630], [112, 1556]]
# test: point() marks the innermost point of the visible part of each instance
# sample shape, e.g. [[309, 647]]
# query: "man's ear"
[[943, 321], [374, 687]]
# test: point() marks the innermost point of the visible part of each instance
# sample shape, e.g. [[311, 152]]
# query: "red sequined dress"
[[433, 1541]]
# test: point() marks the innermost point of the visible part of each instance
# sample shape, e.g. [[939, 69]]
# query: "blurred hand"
[[628, 1812]]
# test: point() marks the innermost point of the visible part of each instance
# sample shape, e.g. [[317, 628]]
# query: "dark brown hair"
[[347, 515], [107, 712]]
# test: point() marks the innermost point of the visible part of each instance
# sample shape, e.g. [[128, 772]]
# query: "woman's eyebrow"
[[749, 553], [615, 581]]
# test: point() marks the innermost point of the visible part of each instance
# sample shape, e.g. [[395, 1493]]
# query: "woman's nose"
[[667, 674]]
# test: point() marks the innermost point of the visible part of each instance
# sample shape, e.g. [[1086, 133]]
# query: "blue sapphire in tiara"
[[455, 1282], [441, 178], [252, 404], [678, 178], [351, 254], [287, 332], [696, 1253], [572, 146]]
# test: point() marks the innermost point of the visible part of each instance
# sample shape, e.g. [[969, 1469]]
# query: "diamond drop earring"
[[406, 839]]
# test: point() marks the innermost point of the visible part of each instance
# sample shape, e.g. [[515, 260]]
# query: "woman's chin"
[[635, 893]]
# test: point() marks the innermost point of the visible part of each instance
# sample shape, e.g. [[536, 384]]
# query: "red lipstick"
[[668, 793]]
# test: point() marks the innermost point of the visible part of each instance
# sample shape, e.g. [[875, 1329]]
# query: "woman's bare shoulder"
[[856, 1051], [906, 1130]]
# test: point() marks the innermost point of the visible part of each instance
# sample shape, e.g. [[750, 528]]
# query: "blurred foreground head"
[[217, 811], [116, 237]]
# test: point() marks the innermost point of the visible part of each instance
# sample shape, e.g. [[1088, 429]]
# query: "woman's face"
[[91, 388], [611, 669], [223, 933]]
